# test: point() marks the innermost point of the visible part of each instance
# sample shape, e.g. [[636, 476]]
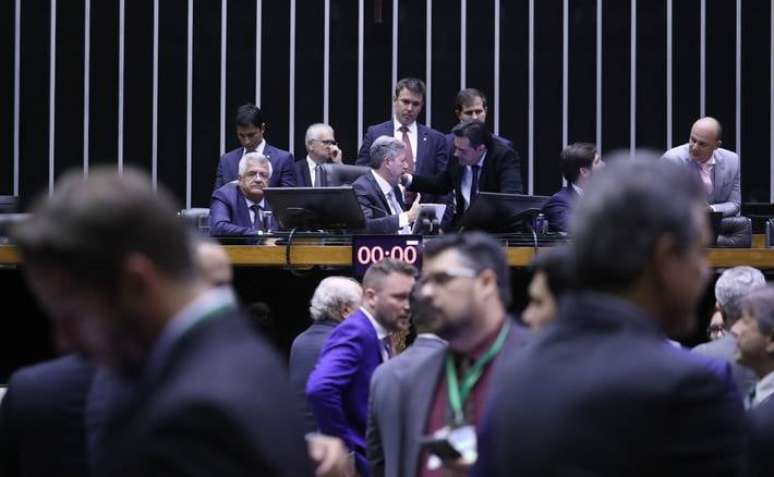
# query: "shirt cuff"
[[403, 220]]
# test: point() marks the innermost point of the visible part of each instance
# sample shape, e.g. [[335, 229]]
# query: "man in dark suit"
[[482, 165], [250, 129], [239, 208], [42, 419], [334, 299], [577, 162], [426, 149], [378, 193], [112, 264], [337, 389], [321, 148], [601, 391], [471, 104]]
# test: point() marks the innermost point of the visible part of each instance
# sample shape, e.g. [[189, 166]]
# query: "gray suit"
[[726, 194], [724, 349], [401, 397]]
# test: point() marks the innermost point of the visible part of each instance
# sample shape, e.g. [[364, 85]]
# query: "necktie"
[[387, 345], [258, 218], [409, 196], [394, 204], [704, 170], [317, 172]]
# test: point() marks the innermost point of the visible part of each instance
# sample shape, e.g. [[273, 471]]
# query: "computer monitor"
[[315, 208], [501, 213]]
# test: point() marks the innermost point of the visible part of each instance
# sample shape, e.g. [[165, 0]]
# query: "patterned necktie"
[[387, 345], [317, 172]]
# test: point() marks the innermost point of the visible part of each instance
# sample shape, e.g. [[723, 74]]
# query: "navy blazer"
[[761, 437], [338, 388], [432, 152], [620, 400], [374, 205], [229, 214], [558, 209], [303, 179], [283, 173]]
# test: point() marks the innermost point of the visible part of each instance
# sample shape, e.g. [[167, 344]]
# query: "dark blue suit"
[[374, 205], [601, 392], [761, 439], [432, 152], [283, 172], [338, 387], [229, 214], [558, 209], [303, 179]]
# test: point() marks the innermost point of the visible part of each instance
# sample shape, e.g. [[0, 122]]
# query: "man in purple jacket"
[[338, 388]]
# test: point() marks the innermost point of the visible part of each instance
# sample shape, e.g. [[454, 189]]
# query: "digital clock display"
[[370, 249]]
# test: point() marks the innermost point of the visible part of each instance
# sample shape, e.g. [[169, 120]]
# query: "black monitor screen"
[[500, 213], [315, 208]]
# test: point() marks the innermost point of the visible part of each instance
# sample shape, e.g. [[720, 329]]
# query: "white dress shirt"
[[387, 190], [467, 180], [381, 333], [259, 148], [312, 168]]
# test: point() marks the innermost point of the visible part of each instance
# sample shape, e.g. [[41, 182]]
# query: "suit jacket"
[[431, 158], [303, 179], [559, 207], [404, 399], [726, 194], [621, 400], [762, 435], [725, 350], [500, 173], [303, 357], [42, 419], [229, 214], [374, 205], [337, 389], [221, 404], [283, 172]]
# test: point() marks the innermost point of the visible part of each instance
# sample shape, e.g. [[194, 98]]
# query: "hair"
[[313, 132], [476, 132], [759, 304], [629, 207], [733, 284], [331, 294], [558, 265], [574, 157], [249, 115], [383, 148], [90, 225], [415, 85], [377, 272], [255, 158], [467, 96], [480, 252]]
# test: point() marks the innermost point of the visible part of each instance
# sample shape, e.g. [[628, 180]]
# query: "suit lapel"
[[421, 389], [379, 193], [421, 146], [243, 214]]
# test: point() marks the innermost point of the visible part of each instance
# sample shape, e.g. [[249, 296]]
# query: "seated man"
[[238, 208], [321, 148], [577, 162], [717, 168], [378, 193]]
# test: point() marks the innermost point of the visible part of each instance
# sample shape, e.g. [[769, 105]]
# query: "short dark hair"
[[378, 271], [476, 132], [558, 265], [481, 252], [90, 225], [574, 157], [759, 304], [629, 207], [415, 85], [467, 96], [249, 115]]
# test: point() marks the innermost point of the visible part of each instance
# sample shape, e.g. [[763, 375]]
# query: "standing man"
[[337, 390], [426, 149], [113, 266], [717, 168], [471, 104], [603, 376], [240, 208], [250, 129], [321, 148]]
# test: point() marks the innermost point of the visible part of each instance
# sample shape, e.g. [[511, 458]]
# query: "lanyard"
[[459, 393]]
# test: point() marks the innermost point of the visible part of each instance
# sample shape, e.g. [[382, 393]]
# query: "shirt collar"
[[578, 190], [764, 389], [381, 331], [250, 203], [259, 148], [412, 128], [310, 162], [385, 186]]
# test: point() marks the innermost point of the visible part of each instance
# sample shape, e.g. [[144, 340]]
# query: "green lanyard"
[[458, 393]]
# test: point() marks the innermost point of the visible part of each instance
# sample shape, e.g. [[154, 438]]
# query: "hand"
[[458, 467], [330, 456], [405, 179], [335, 154], [413, 212]]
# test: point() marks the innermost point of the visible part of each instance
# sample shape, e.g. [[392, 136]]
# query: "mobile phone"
[[441, 448]]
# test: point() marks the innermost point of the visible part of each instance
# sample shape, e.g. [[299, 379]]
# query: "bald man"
[[213, 263], [717, 168]]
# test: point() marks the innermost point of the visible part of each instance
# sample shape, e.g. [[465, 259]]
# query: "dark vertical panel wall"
[[412, 44], [651, 74], [240, 69], [721, 67], [480, 48], [377, 62], [686, 65], [310, 47], [138, 84], [275, 71], [445, 62], [103, 116], [6, 96], [616, 57], [582, 87], [68, 142], [343, 103]]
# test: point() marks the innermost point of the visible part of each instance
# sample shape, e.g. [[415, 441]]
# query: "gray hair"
[[255, 158], [733, 285], [385, 147], [627, 208], [314, 131], [759, 304], [331, 294]]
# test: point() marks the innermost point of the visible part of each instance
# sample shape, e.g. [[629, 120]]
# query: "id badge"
[[463, 439]]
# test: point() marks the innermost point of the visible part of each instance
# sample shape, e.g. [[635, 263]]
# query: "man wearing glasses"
[[321, 148]]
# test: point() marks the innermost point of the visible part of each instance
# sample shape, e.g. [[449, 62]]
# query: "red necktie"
[[408, 196]]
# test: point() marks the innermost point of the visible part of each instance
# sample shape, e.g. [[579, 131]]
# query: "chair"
[[196, 218], [341, 174], [735, 232]]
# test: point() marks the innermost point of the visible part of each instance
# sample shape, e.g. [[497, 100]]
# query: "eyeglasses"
[[327, 142], [443, 277]]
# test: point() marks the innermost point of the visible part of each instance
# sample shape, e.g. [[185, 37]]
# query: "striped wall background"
[[155, 84]]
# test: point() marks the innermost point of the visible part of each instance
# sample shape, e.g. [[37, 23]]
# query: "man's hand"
[[330, 456], [336, 154], [413, 212]]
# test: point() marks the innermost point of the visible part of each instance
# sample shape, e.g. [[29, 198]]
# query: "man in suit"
[[337, 389], [577, 162], [321, 148], [239, 208], [471, 104], [334, 299], [465, 290], [426, 149], [42, 419], [601, 391], [733, 285], [379, 194], [112, 264], [717, 168], [482, 165], [250, 129]]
